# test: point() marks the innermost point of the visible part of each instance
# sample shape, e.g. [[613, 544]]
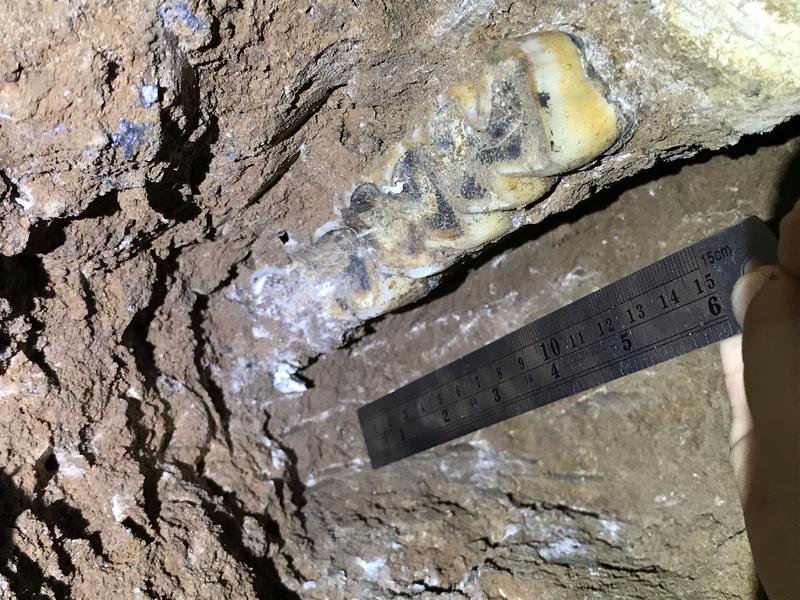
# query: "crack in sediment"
[[61, 520], [135, 338], [204, 375], [372, 520], [730, 536], [145, 461], [295, 484], [229, 517], [282, 169], [205, 378], [24, 576], [630, 569], [89, 301], [571, 511], [24, 281], [424, 587], [144, 412], [322, 67]]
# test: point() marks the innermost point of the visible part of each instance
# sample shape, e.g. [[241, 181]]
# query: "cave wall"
[[154, 156]]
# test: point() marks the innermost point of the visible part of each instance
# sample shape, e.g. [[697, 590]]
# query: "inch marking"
[[663, 310], [543, 338], [619, 360], [561, 357]]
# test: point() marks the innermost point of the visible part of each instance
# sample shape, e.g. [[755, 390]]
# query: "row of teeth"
[[491, 146]]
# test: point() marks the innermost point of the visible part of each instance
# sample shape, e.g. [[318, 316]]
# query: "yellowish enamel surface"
[[516, 191], [465, 95], [382, 174], [581, 123], [492, 145], [477, 231], [390, 292]]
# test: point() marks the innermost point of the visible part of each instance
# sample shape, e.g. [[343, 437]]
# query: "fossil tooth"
[[490, 146], [580, 122]]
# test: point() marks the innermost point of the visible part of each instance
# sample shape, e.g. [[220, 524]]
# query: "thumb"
[[769, 299], [740, 440]]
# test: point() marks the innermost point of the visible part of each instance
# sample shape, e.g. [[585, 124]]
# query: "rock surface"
[[153, 155]]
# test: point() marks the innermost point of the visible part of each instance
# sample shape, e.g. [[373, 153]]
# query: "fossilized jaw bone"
[[489, 147]]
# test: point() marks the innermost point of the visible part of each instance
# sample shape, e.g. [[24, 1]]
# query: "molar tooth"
[[361, 276], [325, 228], [444, 224], [420, 135], [499, 191], [452, 138], [390, 225], [516, 191], [492, 145], [465, 95], [361, 208], [347, 281], [581, 123], [477, 230], [383, 173]]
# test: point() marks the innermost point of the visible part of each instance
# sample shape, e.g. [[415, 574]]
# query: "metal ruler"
[[673, 306]]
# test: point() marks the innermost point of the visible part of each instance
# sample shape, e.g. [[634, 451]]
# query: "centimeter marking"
[[673, 306]]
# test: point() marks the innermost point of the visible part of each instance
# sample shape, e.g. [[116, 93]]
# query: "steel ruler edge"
[[673, 306]]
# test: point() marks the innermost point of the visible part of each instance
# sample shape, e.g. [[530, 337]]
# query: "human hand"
[[762, 374]]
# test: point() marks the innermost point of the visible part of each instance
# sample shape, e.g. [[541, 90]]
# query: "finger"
[[789, 244], [740, 439], [771, 353], [740, 436], [747, 287]]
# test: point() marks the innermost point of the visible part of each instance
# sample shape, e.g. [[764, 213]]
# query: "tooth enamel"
[[491, 146], [582, 124]]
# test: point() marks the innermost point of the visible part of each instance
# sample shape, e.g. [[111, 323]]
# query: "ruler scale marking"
[[577, 350], [665, 309], [596, 369]]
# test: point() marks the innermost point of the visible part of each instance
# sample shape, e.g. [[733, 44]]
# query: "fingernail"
[[748, 286], [751, 265]]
